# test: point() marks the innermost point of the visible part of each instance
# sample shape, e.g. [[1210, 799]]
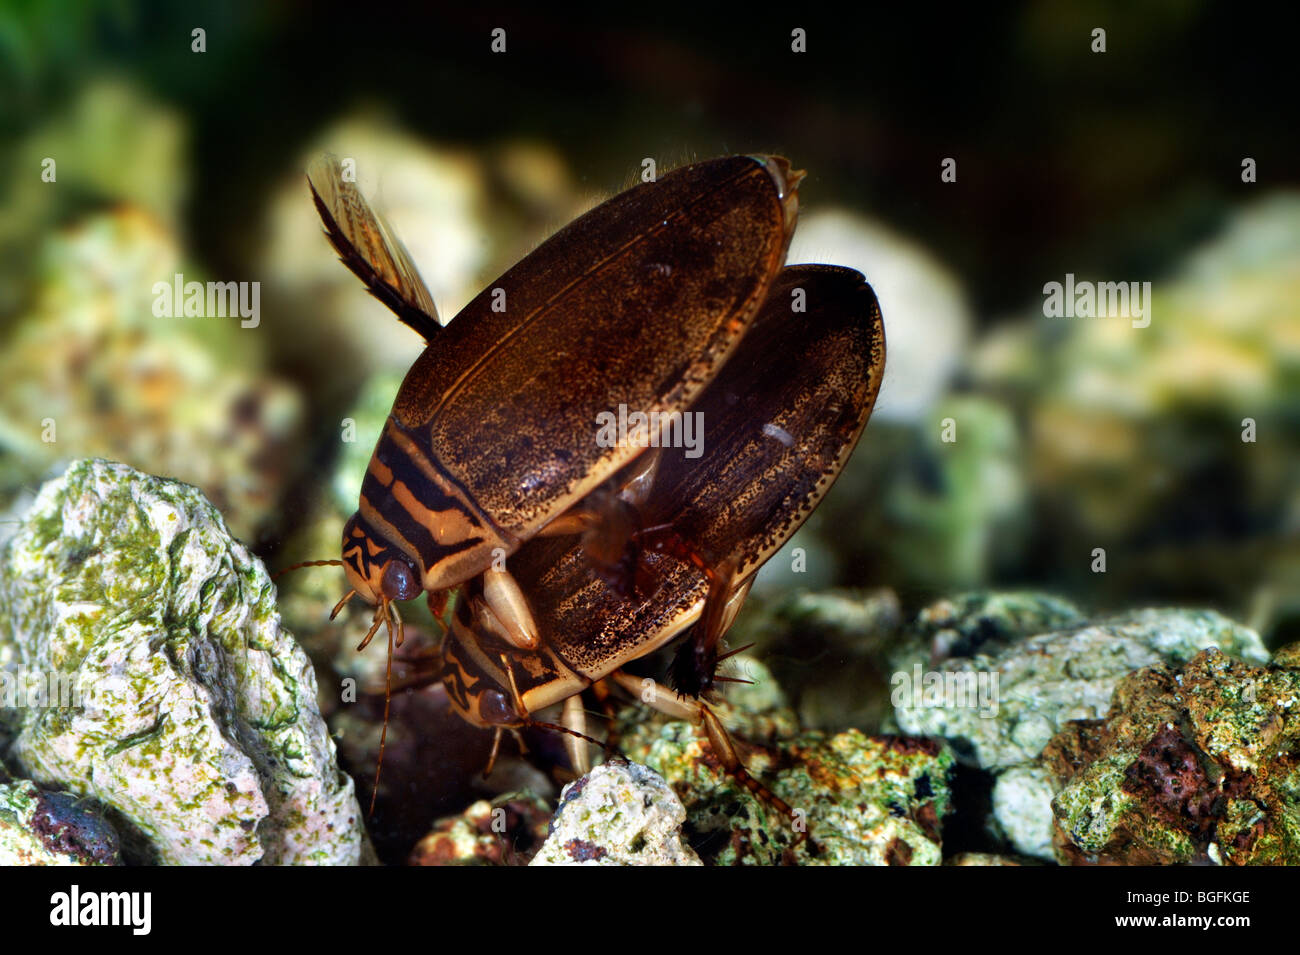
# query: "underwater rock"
[[1038, 684], [983, 621], [51, 828], [1192, 764], [91, 371], [620, 813], [862, 800], [194, 717], [1000, 706], [1022, 808], [505, 831]]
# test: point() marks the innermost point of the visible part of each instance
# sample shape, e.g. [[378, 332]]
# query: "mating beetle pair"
[[490, 450]]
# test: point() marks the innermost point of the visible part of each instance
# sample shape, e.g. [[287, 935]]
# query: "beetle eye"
[[495, 707], [399, 581]]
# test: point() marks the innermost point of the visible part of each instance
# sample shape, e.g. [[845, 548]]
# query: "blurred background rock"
[[1071, 434]]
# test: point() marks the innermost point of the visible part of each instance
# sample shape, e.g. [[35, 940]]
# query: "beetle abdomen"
[[636, 304]]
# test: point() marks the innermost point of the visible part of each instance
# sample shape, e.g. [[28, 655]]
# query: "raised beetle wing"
[[368, 247]]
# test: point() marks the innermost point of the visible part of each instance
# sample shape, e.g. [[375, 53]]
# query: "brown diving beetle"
[[491, 441], [780, 420]]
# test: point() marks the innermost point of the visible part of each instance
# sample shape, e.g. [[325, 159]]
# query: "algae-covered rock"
[[51, 828], [985, 622], [861, 800], [620, 813], [195, 721], [504, 831], [973, 670], [1040, 683], [856, 799], [1170, 441], [1193, 764]]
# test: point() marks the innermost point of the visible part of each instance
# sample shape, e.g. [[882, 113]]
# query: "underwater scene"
[[457, 436]]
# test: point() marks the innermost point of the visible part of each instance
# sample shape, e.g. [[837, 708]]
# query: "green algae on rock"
[[620, 813], [196, 724], [1192, 764], [1048, 679], [799, 632], [862, 800], [1040, 683]]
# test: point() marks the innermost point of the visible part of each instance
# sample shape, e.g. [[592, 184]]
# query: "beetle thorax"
[[409, 503]]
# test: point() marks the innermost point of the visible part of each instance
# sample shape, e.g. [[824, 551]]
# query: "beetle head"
[[475, 683], [376, 569]]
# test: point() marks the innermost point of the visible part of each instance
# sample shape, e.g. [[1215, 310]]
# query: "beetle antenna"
[[307, 563], [387, 609]]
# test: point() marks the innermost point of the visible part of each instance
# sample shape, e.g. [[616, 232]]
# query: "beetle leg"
[[574, 719], [503, 598], [706, 722], [694, 668], [575, 520], [636, 480], [388, 610], [609, 521]]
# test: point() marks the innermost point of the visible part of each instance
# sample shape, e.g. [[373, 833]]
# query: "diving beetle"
[[781, 420], [491, 440]]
